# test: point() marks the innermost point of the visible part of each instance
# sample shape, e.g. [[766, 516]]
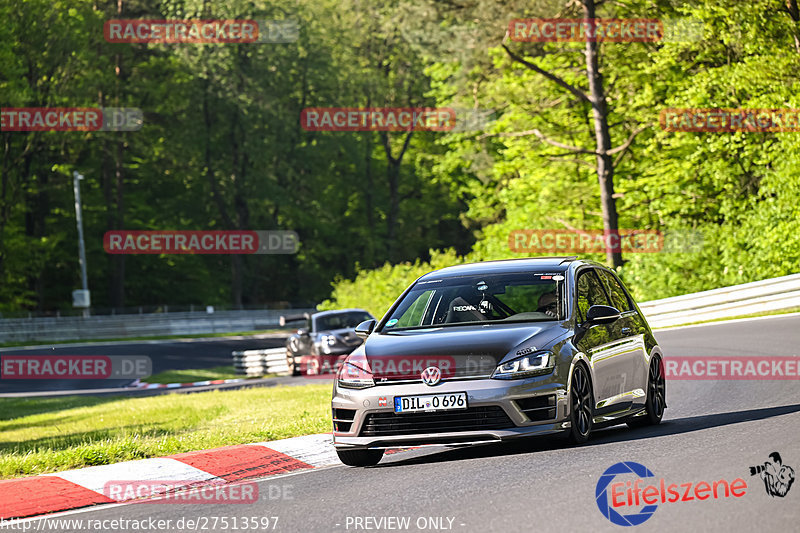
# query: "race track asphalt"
[[712, 430], [178, 354]]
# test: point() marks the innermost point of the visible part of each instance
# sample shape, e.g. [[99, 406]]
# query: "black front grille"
[[472, 419], [538, 408]]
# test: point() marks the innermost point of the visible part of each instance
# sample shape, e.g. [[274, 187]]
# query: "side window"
[[618, 297], [413, 315], [590, 293]]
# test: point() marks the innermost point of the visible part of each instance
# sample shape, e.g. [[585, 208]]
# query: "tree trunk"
[[4, 203], [38, 205], [117, 288], [216, 194], [605, 166], [369, 245], [239, 166], [118, 276], [794, 13], [393, 176]]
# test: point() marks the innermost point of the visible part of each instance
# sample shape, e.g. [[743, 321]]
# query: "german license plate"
[[430, 402]]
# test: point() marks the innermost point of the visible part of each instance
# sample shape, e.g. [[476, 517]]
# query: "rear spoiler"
[[293, 318]]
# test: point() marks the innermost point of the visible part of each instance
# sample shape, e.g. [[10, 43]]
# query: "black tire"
[[656, 400], [581, 406], [360, 457], [294, 370]]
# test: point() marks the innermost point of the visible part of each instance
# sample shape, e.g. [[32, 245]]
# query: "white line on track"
[[734, 321]]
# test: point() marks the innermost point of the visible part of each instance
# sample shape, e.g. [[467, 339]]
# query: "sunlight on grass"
[[47, 435]]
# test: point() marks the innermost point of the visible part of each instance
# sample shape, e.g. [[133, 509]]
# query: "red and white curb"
[[72, 489]]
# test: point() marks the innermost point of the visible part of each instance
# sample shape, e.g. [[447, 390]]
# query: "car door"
[[305, 342], [632, 328], [608, 349]]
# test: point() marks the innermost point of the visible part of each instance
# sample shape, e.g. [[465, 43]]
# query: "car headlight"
[[536, 364], [326, 341], [355, 373]]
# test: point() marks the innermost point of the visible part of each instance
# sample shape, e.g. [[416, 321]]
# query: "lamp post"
[[80, 298]]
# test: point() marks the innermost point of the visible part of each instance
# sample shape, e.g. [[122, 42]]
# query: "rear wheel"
[[656, 397], [360, 457], [294, 369], [582, 404]]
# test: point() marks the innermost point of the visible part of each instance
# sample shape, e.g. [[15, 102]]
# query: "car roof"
[[503, 266]]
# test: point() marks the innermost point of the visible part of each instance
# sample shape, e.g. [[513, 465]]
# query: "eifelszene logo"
[[628, 495], [601, 494], [778, 477]]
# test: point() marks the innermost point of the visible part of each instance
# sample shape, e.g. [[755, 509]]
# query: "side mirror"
[[601, 314], [303, 332], [365, 328]]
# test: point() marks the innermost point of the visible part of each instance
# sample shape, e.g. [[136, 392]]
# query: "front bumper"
[[484, 394]]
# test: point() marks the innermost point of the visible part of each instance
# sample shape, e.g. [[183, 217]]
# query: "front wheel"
[[360, 457], [294, 370], [656, 397], [582, 411]]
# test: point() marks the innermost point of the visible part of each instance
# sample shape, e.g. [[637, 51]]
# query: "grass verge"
[[41, 435]]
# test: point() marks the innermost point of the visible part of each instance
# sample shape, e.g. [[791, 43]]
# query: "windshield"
[[340, 320], [534, 296]]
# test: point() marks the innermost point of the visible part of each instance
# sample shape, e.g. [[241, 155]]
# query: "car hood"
[[475, 350]]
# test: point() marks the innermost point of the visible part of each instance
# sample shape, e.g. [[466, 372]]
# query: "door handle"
[[625, 331]]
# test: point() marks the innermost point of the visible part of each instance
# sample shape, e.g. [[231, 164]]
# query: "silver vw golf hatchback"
[[491, 351]]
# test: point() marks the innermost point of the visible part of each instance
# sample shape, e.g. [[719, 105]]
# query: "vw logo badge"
[[431, 376]]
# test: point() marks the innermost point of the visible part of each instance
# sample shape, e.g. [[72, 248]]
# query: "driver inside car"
[[548, 304]]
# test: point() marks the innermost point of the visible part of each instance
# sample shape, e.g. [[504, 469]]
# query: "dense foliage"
[[222, 147], [739, 191]]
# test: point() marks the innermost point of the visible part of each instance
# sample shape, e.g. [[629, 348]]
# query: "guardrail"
[[767, 295], [260, 362], [122, 326]]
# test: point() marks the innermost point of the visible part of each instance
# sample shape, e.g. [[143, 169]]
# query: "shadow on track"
[[674, 426]]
